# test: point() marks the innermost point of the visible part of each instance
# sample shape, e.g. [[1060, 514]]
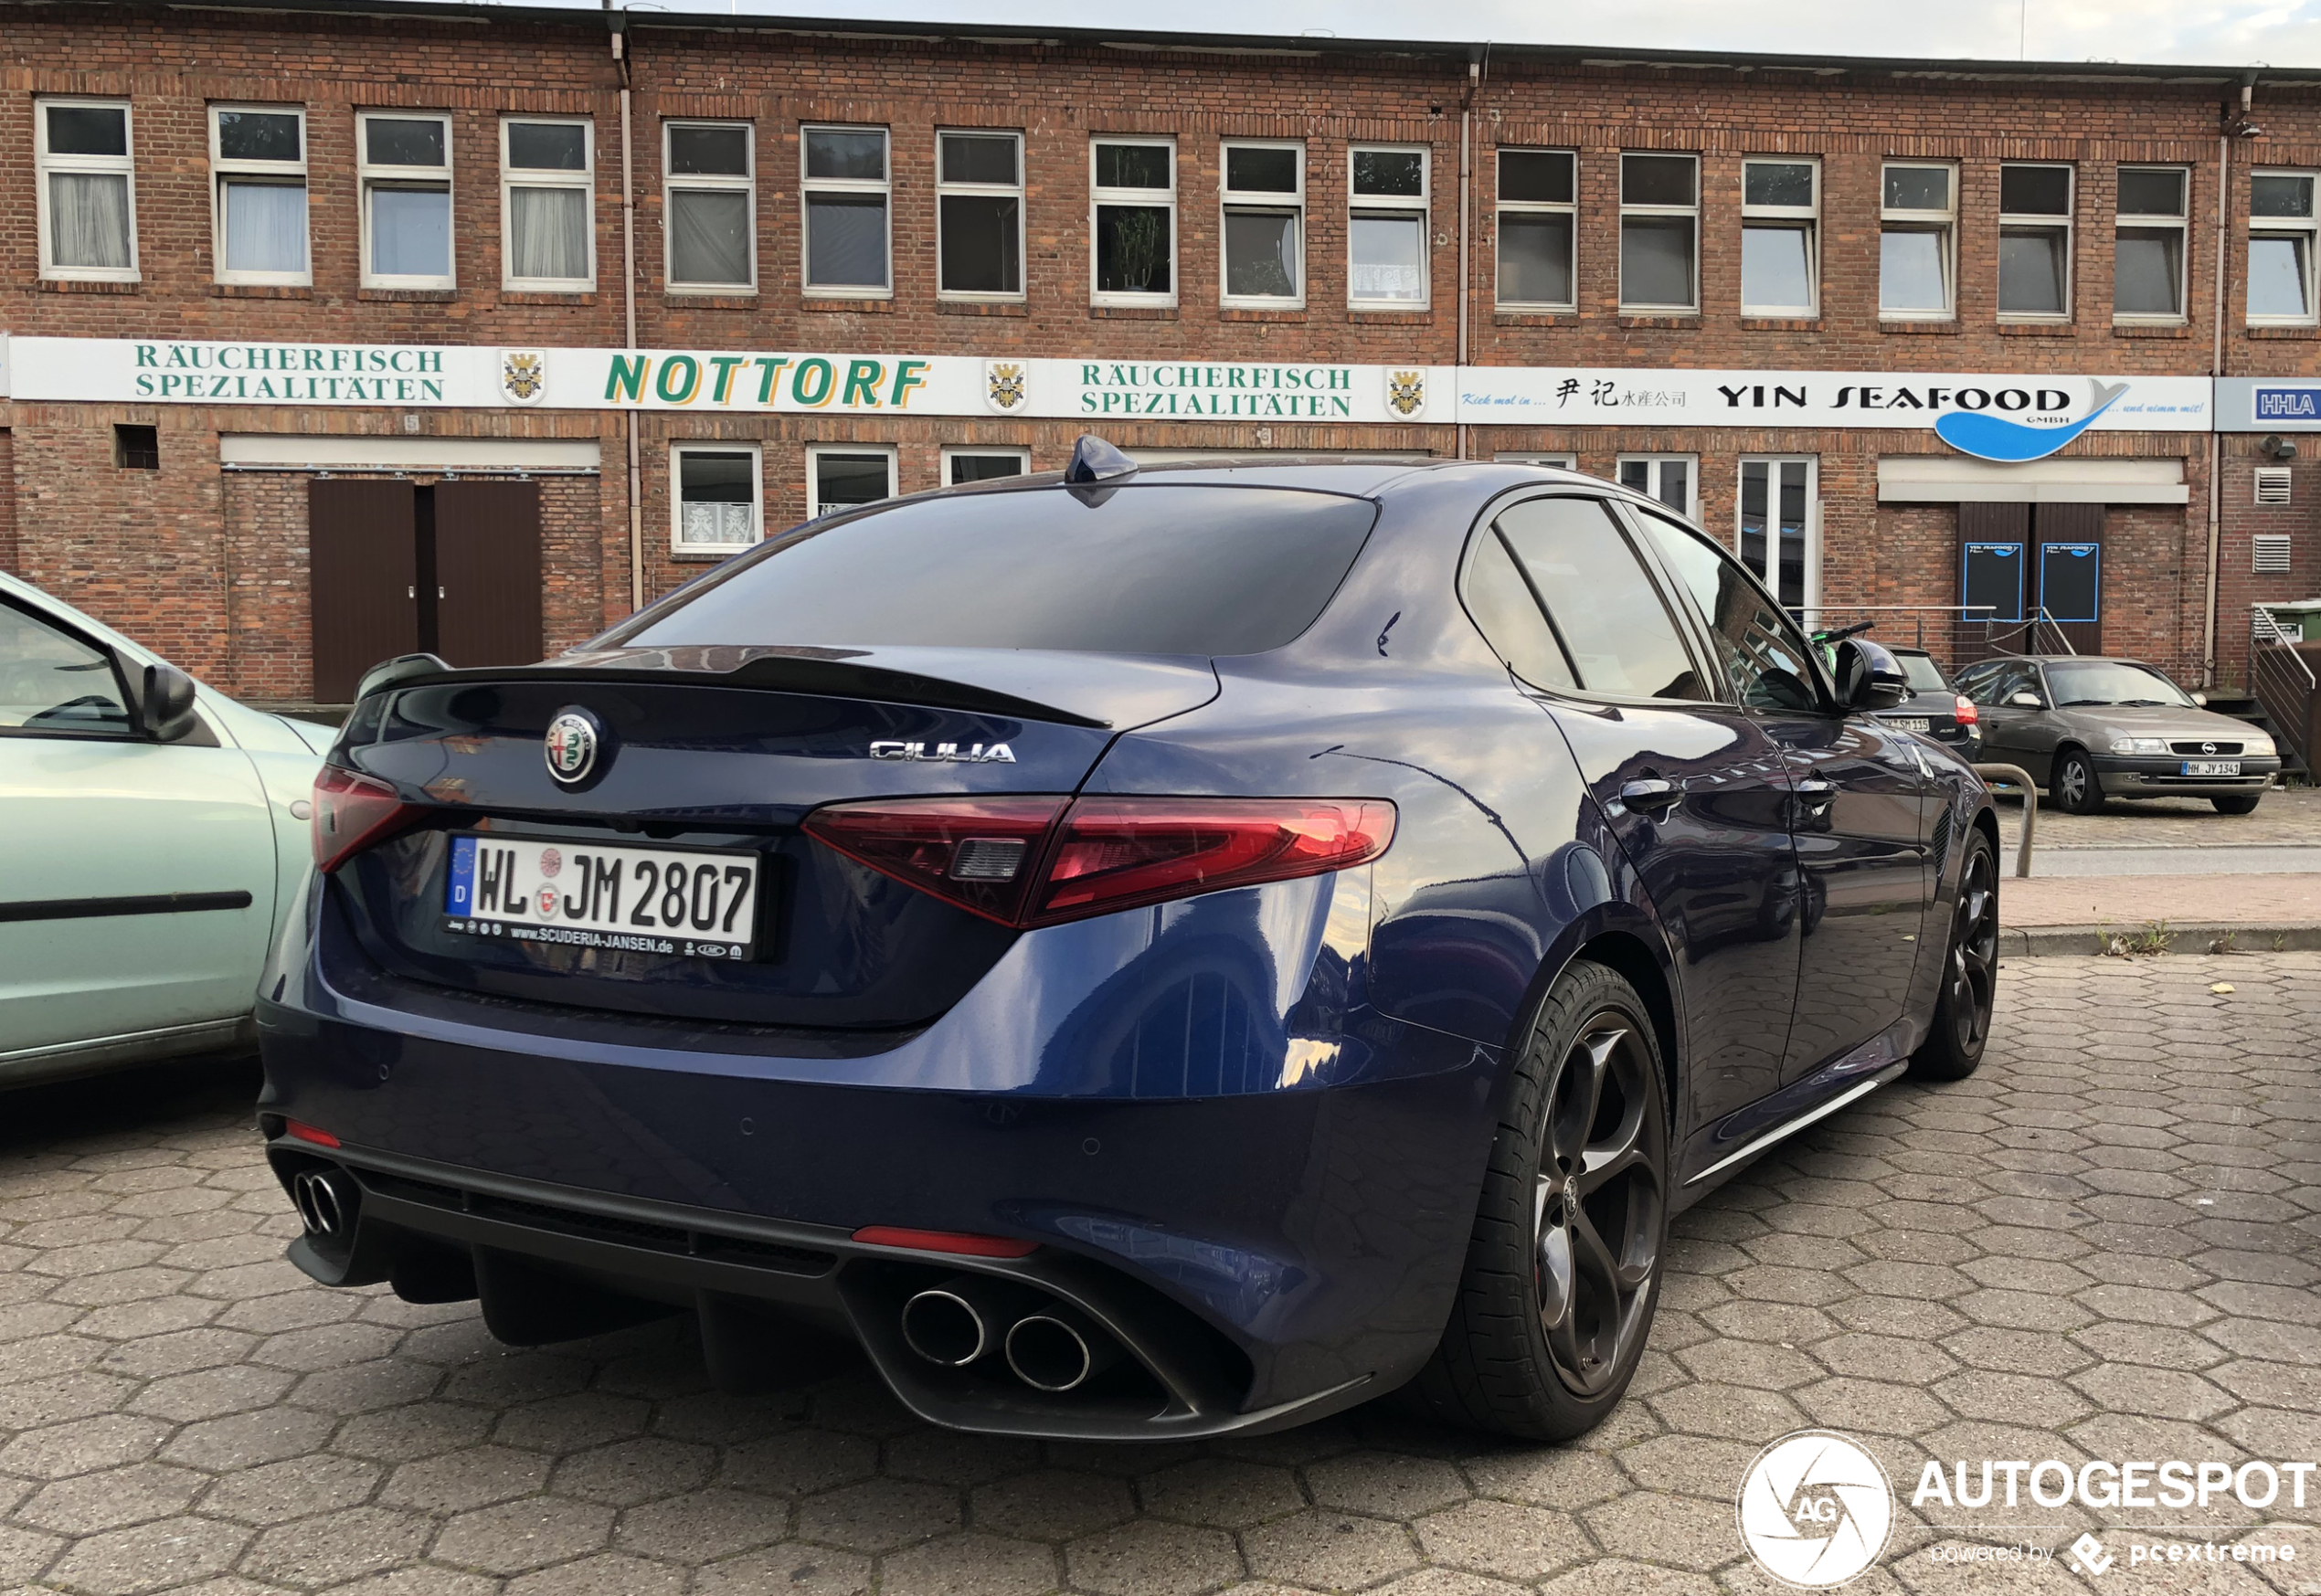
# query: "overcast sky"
[[2217, 32]]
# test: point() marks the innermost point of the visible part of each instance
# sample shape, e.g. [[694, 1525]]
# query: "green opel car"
[[153, 835]]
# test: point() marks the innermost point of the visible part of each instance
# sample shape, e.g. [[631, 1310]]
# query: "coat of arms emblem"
[[1006, 385], [1407, 393], [523, 375]]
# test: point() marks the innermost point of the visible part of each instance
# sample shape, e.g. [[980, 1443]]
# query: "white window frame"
[[1772, 580], [1562, 462], [1394, 206], [814, 452], [1230, 200], [221, 169], [1022, 456], [1141, 199], [44, 163], [672, 182], [1691, 508], [2308, 228], [2180, 224], [1943, 224], [367, 176], [1647, 212], [808, 186], [1504, 208], [677, 452], [585, 180], [984, 191], [1787, 218], [2068, 223]]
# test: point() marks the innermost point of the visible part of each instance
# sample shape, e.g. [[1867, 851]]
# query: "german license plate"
[[2211, 767], [692, 903], [1910, 722]]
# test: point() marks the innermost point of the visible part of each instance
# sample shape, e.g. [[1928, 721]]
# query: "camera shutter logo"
[[570, 747], [1815, 1509]]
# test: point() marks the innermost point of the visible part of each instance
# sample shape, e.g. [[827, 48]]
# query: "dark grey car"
[[2088, 729]]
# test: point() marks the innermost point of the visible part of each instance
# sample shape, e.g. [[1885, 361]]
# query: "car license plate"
[[692, 903], [2211, 767], [1910, 722]]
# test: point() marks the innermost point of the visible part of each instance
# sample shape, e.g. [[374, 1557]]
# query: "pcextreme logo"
[[1996, 438], [1815, 1509]]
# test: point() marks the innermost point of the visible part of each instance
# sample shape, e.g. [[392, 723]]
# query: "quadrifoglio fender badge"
[[945, 753]]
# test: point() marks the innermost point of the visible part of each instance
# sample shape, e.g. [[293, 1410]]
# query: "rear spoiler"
[[825, 673]]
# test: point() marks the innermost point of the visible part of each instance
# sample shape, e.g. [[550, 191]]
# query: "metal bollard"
[[2015, 775]]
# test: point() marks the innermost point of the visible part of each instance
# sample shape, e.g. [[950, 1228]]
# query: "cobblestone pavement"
[[2289, 815], [2104, 1245]]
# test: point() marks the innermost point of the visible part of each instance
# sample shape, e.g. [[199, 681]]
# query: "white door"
[[136, 878]]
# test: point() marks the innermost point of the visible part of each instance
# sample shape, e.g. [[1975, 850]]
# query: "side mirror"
[[165, 704], [2028, 701], [1869, 678]]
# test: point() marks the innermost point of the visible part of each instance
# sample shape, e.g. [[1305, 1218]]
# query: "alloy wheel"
[[1597, 1204], [1974, 952], [2073, 777]]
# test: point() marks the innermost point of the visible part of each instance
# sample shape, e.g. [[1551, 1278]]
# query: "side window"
[[1758, 646], [51, 682], [1613, 624], [1997, 686], [1508, 612]]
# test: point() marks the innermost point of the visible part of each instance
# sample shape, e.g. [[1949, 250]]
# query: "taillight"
[[1038, 861], [955, 1241], [351, 813], [1968, 715]]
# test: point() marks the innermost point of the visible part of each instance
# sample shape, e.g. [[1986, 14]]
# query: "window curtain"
[[88, 218], [708, 237], [266, 228], [411, 232], [846, 235], [548, 233]]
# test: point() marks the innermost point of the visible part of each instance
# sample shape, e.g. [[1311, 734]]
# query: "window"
[[1386, 230], [2034, 243], [1779, 539], [404, 164], [847, 236], [2147, 256], [717, 508], [1133, 195], [1618, 633], [2281, 227], [259, 159], [1780, 242], [1761, 654], [842, 475], [962, 466], [979, 215], [1670, 477], [547, 202], [1918, 242], [54, 684], [1538, 205], [2272, 483], [2269, 554], [1265, 212], [136, 449], [1562, 462], [1499, 598], [710, 189], [1659, 232], [87, 190]]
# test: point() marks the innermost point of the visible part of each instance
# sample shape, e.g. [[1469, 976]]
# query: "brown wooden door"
[[362, 580], [487, 572], [2067, 565], [1994, 547]]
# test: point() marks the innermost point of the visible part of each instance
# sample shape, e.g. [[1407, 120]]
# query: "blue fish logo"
[[2012, 442]]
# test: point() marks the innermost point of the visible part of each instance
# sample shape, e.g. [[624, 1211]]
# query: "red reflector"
[[956, 1242], [307, 1132], [1034, 861], [1968, 715], [351, 813]]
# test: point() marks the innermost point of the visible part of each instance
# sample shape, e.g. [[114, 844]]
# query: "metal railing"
[[2016, 777], [1973, 632], [2280, 679]]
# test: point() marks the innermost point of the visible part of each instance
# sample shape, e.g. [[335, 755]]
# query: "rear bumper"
[[2151, 776]]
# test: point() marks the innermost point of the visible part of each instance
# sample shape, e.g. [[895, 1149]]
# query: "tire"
[[1563, 1272], [1953, 1048], [2075, 788], [2239, 804]]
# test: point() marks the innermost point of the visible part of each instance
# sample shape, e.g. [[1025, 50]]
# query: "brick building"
[[314, 310]]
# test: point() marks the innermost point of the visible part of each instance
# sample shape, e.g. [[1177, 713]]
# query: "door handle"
[[1650, 794], [1816, 794]]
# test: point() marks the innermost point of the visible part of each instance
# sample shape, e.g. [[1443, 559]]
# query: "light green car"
[[153, 835]]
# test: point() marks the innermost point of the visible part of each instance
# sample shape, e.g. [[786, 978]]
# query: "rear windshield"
[[1151, 570], [1924, 676]]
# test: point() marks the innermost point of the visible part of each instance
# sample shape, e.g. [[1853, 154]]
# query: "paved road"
[[2104, 1245], [2220, 859], [2288, 818]]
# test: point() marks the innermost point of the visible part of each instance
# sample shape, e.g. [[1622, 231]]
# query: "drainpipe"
[[619, 23], [2216, 369], [1466, 225]]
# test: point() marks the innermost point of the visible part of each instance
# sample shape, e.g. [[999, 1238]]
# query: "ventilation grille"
[[2272, 484], [2269, 553]]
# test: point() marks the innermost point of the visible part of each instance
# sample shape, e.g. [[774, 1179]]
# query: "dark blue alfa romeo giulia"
[[1141, 953]]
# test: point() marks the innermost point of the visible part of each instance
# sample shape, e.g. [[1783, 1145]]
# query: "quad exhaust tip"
[[1058, 1350], [1049, 1347], [322, 1208], [943, 1327]]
